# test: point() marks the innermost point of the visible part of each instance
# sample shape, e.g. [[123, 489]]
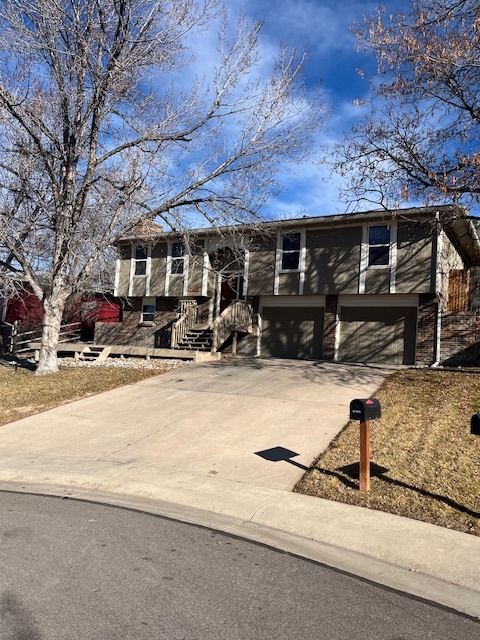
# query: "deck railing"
[[236, 317], [186, 321], [68, 333]]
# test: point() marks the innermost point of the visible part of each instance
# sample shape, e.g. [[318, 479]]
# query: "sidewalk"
[[140, 447]]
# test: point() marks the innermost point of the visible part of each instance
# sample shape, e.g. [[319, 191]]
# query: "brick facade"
[[133, 332], [460, 345], [330, 327], [426, 329], [459, 336]]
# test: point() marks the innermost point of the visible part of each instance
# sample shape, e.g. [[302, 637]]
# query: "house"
[[22, 319], [393, 287]]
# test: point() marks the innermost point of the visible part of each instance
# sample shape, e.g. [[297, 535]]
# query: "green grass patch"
[[425, 463], [23, 394]]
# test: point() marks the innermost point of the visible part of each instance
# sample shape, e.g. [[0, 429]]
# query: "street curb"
[[429, 588]]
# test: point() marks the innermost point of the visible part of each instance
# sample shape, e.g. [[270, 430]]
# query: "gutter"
[[438, 283]]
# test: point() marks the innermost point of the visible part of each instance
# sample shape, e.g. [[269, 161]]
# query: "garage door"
[[292, 332], [381, 334]]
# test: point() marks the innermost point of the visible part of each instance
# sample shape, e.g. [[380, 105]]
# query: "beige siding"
[[195, 271], [449, 259], [332, 260], [262, 267], [377, 281], [212, 282], [415, 258], [176, 286], [124, 280], [288, 284], [139, 286], [158, 269]]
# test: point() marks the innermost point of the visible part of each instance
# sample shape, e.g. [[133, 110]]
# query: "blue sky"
[[323, 26]]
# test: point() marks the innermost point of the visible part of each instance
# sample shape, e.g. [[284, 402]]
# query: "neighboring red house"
[[27, 311]]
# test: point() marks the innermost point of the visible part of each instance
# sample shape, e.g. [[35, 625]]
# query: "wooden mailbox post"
[[364, 411]]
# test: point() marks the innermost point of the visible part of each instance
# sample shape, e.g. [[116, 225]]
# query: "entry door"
[[231, 289]]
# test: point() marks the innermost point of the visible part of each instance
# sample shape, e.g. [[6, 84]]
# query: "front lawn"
[[425, 463], [23, 394]]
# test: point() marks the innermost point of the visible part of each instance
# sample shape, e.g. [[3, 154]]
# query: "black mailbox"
[[365, 410], [475, 424]]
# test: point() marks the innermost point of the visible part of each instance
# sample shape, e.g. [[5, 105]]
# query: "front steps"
[[199, 338]]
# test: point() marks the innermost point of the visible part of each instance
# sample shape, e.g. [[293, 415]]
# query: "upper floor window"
[[141, 254], [379, 246], [290, 251], [178, 258]]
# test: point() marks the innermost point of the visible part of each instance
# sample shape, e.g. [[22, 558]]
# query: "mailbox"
[[475, 424], [365, 410]]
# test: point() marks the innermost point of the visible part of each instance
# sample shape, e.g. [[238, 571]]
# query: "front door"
[[231, 289]]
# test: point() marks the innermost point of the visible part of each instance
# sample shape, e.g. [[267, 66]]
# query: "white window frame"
[[118, 266], [148, 267], [147, 301], [365, 255], [138, 260], [383, 244], [302, 253], [290, 251], [177, 258]]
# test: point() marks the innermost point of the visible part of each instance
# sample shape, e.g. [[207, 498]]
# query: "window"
[[290, 252], [148, 310], [141, 254], [178, 258], [379, 246]]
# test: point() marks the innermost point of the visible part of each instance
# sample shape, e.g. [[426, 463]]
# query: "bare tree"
[[419, 138], [97, 134]]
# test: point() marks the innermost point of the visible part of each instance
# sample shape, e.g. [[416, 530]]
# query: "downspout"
[[438, 284]]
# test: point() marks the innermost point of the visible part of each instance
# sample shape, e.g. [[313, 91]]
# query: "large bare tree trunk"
[[52, 319], [82, 139]]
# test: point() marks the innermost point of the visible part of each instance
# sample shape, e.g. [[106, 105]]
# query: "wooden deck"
[[127, 350]]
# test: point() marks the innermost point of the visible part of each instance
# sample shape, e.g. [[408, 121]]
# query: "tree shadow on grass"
[[350, 472]]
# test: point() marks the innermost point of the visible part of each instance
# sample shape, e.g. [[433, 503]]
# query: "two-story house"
[[364, 287]]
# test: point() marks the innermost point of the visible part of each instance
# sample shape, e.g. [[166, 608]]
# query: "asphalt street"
[[72, 569]]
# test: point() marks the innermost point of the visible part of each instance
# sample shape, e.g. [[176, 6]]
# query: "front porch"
[[72, 348]]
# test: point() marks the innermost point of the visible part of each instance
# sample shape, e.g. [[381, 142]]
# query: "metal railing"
[[236, 317], [186, 321]]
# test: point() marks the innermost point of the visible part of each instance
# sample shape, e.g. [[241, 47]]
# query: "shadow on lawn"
[[352, 472]]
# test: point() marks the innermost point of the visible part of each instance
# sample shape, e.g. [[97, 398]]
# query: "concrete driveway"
[[184, 445], [205, 420]]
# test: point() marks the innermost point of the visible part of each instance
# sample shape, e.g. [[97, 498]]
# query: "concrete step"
[[92, 353]]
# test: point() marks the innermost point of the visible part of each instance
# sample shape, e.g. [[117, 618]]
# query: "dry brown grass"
[[425, 463], [23, 394]]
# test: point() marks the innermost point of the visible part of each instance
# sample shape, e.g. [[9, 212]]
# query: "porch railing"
[[68, 333], [236, 317], [186, 321]]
